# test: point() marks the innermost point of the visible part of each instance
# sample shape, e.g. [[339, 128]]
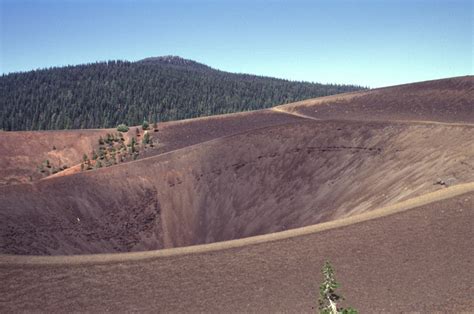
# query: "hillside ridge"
[[157, 89]]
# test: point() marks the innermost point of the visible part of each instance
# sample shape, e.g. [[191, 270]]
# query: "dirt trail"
[[443, 101], [288, 111], [237, 213], [425, 199], [234, 187], [296, 114], [382, 264]]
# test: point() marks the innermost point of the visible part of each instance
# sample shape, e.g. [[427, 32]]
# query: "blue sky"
[[372, 43]]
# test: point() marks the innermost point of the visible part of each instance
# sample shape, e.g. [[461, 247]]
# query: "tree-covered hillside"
[[105, 94]]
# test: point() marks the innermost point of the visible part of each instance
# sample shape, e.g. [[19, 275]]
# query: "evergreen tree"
[[104, 94], [146, 138], [328, 297]]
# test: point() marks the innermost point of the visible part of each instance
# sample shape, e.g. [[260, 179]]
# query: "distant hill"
[[176, 61], [104, 94]]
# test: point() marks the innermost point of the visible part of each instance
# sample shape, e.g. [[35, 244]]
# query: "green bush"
[[122, 128]]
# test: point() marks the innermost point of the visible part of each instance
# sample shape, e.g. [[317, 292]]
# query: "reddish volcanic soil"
[[448, 100], [383, 180], [22, 152], [234, 187], [419, 260]]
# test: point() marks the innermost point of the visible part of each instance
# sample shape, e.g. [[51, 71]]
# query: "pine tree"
[[145, 125], [328, 297], [105, 94], [146, 138]]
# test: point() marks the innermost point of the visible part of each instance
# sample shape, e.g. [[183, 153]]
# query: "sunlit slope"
[[21, 153], [256, 173], [263, 181], [448, 100]]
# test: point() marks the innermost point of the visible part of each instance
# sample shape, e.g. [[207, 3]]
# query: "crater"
[[264, 181]]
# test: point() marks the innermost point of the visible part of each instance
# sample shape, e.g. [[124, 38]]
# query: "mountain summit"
[[175, 60], [105, 94]]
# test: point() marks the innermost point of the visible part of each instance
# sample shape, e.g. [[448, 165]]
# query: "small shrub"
[[132, 144], [41, 168], [122, 128], [146, 138], [145, 125], [109, 138]]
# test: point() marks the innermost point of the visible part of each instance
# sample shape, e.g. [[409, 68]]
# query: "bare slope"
[[447, 100], [235, 187], [22, 152], [286, 174], [414, 261]]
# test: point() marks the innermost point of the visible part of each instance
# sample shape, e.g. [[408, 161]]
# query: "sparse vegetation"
[[112, 150], [40, 99], [146, 139], [122, 128], [328, 297], [47, 168]]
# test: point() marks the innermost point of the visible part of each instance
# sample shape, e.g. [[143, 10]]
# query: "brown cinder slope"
[[235, 187], [275, 178], [22, 152], [447, 100], [409, 261]]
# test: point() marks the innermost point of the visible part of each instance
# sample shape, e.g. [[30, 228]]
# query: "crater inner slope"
[[268, 180]]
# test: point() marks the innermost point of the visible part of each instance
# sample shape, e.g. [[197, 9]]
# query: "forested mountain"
[[104, 94]]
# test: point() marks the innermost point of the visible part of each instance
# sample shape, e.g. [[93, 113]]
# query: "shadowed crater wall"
[[264, 181]]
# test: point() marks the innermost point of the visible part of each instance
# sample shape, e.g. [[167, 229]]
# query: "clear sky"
[[366, 42]]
